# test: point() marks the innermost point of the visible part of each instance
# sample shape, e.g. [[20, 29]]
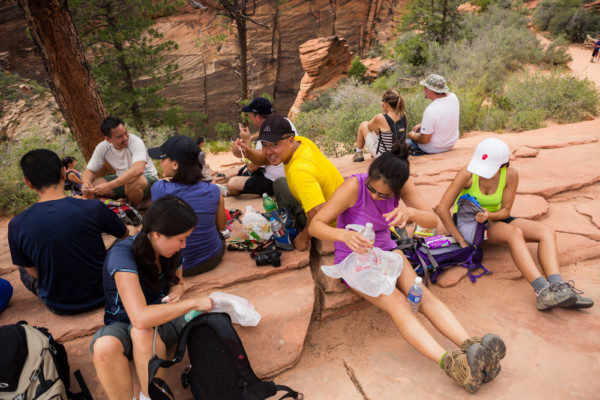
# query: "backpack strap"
[[291, 393], [425, 266], [380, 144]]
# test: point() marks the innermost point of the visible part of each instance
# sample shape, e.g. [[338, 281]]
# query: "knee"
[[143, 337], [547, 233], [279, 185], [515, 235], [107, 349]]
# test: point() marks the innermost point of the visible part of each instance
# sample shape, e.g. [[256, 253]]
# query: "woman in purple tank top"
[[374, 198]]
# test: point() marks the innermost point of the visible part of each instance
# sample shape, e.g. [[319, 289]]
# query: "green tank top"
[[491, 202]]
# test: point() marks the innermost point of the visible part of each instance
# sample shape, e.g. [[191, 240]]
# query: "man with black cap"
[[438, 131], [311, 177]]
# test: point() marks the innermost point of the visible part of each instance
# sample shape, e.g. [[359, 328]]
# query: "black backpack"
[[34, 366], [398, 134], [219, 368]]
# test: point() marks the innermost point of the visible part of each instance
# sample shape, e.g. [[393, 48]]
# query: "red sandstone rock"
[[590, 209], [528, 206], [525, 152]]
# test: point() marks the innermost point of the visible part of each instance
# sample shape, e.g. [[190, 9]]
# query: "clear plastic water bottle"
[[415, 294], [277, 228], [369, 234], [268, 203]]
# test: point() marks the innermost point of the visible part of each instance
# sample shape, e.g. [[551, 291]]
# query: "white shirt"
[[440, 119], [273, 172], [121, 160]]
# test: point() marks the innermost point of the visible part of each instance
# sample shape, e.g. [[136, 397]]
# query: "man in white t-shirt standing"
[[438, 131], [126, 153]]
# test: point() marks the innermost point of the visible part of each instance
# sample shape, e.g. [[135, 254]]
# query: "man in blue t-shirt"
[[57, 243]]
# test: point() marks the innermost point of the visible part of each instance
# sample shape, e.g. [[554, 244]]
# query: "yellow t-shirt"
[[311, 177]]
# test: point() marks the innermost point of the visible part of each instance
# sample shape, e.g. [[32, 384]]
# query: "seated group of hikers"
[[140, 280]]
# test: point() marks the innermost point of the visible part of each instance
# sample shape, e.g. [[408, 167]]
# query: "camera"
[[268, 257]]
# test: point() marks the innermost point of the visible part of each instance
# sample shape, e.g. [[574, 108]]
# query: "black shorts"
[[258, 184]]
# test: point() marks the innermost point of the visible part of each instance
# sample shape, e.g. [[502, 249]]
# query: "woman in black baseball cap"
[[183, 178]]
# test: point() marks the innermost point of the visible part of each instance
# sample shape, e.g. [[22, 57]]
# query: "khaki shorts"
[[371, 143], [120, 191]]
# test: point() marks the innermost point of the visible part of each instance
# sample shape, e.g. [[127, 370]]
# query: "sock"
[[555, 278], [441, 363], [142, 397], [357, 150], [539, 284]]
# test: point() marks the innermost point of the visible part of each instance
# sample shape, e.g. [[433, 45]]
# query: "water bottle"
[[369, 234], [415, 294], [268, 203], [277, 228]]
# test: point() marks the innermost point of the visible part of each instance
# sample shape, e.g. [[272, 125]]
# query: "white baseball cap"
[[489, 156]]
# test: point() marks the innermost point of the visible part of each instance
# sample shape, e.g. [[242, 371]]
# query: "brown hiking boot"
[[358, 156], [551, 297], [495, 349], [582, 302], [466, 367]]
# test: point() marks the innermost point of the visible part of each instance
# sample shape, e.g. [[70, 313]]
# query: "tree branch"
[[197, 5]]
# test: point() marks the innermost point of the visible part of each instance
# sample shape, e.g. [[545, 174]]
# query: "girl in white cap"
[[490, 179]]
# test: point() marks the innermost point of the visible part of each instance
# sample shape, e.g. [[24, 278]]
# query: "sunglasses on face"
[[379, 194]]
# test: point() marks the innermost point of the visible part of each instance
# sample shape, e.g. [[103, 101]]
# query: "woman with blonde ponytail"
[[385, 129]]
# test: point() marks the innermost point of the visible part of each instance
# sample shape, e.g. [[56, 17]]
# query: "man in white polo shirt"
[[126, 153], [438, 131]]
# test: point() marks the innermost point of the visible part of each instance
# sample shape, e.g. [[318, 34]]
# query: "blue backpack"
[[430, 262]]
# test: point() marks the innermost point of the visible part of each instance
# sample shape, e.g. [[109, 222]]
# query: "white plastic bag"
[[372, 274], [238, 308], [255, 222]]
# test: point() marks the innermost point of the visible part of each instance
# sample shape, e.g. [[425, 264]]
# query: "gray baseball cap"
[[435, 83]]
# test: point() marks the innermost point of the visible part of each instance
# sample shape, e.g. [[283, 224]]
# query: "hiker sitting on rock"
[[491, 180], [374, 198], [179, 161], [311, 177], [72, 176], [438, 130], [380, 133], [144, 288], [126, 153], [57, 242], [262, 173]]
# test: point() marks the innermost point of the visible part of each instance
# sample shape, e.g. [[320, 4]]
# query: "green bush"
[[224, 131], [414, 50], [568, 18], [357, 69]]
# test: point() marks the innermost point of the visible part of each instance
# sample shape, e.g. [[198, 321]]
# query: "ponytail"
[[392, 167], [393, 98]]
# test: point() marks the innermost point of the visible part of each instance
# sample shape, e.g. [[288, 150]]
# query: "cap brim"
[[247, 108], [156, 153], [485, 171], [271, 138]]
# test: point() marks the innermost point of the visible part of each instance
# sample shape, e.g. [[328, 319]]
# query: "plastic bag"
[[238, 308], [372, 274], [257, 226]]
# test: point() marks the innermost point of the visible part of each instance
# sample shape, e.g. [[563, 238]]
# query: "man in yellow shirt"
[[311, 177]]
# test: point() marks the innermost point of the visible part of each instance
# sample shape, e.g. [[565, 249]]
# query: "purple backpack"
[[430, 262]]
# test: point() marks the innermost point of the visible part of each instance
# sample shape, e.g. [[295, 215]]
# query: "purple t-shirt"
[[366, 210]]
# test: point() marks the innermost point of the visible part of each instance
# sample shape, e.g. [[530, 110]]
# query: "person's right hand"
[[462, 243], [244, 133], [355, 241], [417, 128], [204, 304]]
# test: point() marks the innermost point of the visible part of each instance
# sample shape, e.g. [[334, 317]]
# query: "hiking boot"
[[466, 367], [285, 242], [358, 156], [551, 297], [495, 349], [581, 302]]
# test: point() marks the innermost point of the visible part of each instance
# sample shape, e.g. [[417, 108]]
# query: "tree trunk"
[[69, 74], [241, 29]]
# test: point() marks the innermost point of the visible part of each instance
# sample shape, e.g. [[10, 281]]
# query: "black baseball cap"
[[274, 129], [259, 105], [179, 148]]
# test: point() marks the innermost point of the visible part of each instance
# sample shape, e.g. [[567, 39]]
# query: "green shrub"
[[224, 131], [357, 69], [217, 146], [414, 50], [568, 18]]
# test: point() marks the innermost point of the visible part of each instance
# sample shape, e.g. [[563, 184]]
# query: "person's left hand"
[[482, 216], [399, 216], [103, 189], [173, 298]]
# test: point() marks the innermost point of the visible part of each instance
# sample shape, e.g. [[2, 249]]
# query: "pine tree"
[[128, 59], [437, 19]]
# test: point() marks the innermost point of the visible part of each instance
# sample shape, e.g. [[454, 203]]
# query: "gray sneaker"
[[495, 349], [582, 302], [551, 297], [466, 367], [358, 156]]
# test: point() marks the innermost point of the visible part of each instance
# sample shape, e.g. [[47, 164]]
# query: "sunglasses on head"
[[379, 194]]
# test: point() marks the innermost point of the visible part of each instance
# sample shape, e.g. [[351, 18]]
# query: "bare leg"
[[435, 310], [135, 190], [142, 353], [511, 234], [112, 368], [363, 131], [236, 185], [545, 236]]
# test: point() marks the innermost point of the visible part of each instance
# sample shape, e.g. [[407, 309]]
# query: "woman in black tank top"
[[379, 134]]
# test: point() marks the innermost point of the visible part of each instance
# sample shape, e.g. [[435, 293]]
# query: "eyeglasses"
[[375, 192]]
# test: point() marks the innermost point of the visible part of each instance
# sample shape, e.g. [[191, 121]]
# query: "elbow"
[[139, 322]]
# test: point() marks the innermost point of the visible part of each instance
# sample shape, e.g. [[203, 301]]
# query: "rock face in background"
[[208, 58], [324, 60]]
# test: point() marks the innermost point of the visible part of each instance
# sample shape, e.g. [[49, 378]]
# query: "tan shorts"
[[371, 142]]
